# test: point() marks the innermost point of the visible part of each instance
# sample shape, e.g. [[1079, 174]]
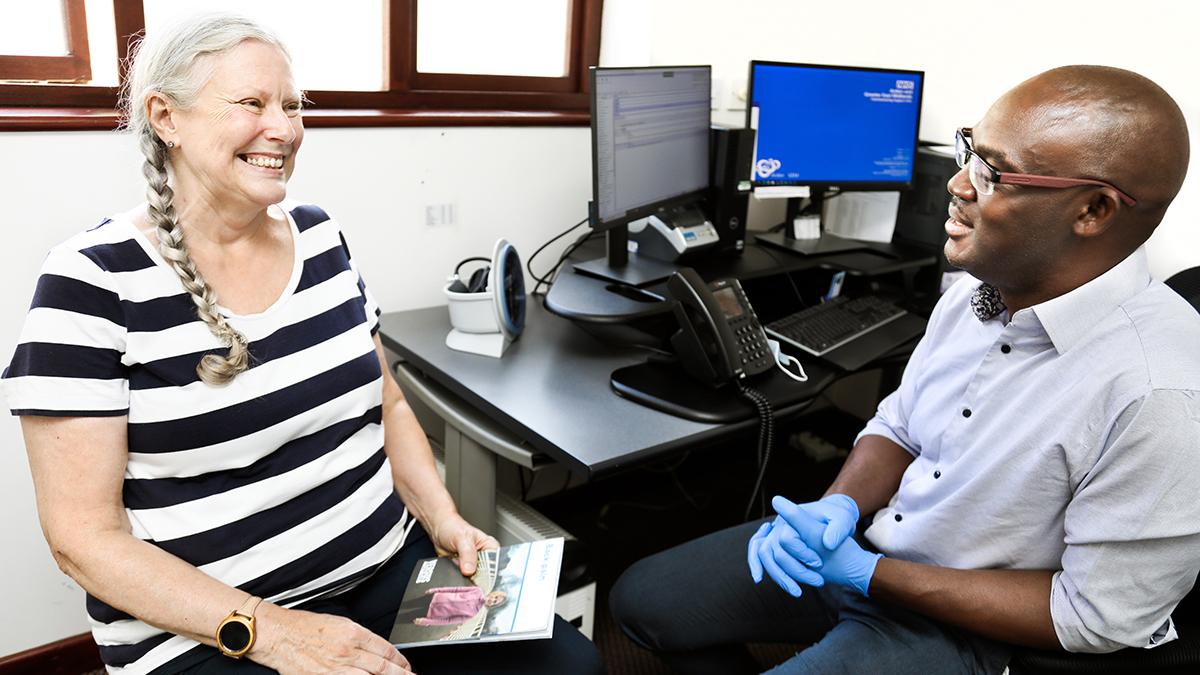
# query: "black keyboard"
[[822, 328]]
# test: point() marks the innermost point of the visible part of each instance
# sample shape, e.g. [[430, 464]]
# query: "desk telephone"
[[720, 338]]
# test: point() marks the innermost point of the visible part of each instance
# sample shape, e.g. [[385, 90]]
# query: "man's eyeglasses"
[[984, 176]]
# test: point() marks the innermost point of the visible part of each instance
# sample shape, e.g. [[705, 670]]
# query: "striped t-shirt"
[[276, 483]]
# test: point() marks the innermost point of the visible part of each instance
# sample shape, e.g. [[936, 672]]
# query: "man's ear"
[[160, 113], [1097, 214]]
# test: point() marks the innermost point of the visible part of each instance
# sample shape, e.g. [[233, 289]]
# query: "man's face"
[[1012, 237]]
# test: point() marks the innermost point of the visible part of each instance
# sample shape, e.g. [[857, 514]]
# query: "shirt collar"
[[1068, 317]]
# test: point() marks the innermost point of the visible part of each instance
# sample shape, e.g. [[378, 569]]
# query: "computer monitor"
[[831, 127], [834, 126], [650, 149]]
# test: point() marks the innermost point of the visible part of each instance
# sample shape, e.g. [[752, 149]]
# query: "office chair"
[[1180, 656], [1187, 284], [1174, 658]]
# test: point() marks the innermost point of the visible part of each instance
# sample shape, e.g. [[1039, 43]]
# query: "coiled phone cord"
[[766, 440]]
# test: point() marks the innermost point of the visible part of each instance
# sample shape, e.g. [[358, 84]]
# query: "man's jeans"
[[696, 607]]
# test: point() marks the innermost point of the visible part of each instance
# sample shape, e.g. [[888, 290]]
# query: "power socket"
[[439, 215]]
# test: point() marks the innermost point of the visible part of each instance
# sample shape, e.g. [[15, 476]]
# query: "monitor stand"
[[823, 245], [623, 268], [638, 271]]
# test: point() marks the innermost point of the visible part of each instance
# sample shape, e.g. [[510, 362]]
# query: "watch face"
[[234, 636]]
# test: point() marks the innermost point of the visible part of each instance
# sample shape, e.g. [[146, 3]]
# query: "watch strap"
[[254, 601]]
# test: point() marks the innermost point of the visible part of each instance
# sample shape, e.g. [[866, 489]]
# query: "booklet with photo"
[[510, 597]]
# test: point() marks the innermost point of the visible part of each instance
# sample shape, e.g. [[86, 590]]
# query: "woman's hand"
[[454, 536], [295, 641]]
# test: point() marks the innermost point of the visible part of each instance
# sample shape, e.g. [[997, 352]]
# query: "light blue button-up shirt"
[[1065, 437]]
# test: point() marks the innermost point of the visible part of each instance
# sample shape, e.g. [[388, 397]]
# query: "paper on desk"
[[780, 191], [868, 216]]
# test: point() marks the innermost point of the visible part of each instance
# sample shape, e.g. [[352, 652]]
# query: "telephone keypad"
[[753, 351]]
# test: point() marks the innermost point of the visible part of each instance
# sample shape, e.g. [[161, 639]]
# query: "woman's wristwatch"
[[236, 633]]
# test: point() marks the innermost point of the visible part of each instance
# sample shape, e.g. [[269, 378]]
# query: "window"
[[361, 62], [532, 42], [334, 45], [45, 41]]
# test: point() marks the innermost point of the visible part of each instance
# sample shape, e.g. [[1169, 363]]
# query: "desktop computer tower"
[[921, 217], [729, 186]]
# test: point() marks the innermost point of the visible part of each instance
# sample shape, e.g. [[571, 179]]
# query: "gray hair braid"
[[213, 369], [172, 64]]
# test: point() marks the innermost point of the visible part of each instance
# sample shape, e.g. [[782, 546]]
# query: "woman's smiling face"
[[238, 142]]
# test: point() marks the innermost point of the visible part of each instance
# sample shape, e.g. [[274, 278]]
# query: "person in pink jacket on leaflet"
[[451, 605]]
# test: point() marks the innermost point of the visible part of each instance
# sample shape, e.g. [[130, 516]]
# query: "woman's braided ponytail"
[[172, 64]]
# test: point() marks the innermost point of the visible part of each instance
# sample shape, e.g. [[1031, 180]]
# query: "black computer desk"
[[549, 398]]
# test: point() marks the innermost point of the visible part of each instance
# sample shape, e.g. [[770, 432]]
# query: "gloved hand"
[[840, 514], [801, 534], [760, 555]]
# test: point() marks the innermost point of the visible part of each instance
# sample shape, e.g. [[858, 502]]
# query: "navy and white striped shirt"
[[276, 483]]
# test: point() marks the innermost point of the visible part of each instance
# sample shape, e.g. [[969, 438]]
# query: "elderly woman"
[[221, 457]]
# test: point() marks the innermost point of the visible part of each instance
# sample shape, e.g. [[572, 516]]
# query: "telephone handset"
[[720, 339]]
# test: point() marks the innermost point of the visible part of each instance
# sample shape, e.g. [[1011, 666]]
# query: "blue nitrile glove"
[[840, 514], [801, 533], [752, 548], [759, 555], [784, 568]]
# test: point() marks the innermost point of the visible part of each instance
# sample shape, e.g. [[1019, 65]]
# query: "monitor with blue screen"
[[834, 126], [831, 128]]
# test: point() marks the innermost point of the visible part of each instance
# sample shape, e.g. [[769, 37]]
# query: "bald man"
[[1035, 480]]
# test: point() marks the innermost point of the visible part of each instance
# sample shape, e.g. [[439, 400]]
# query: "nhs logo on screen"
[[767, 166], [905, 84]]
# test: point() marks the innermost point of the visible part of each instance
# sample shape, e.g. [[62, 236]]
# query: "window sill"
[[83, 119]]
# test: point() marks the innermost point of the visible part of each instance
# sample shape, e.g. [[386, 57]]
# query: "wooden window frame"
[[410, 99], [75, 66]]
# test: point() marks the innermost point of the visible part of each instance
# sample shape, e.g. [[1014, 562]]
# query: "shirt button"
[[966, 412], [1005, 349], [899, 517], [937, 474]]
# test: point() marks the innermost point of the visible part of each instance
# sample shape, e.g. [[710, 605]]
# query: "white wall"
[[971, 51], [529, 183]]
